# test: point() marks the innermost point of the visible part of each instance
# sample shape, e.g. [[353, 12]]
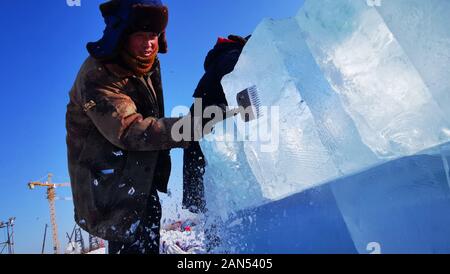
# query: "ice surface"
[[229, 183], [421, 28], [350, 86], [399, 207], [349, 94], [379, 86]]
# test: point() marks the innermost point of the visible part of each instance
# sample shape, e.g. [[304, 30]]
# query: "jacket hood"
[[123, 16]]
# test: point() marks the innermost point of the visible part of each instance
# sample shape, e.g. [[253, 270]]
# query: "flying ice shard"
[[356, 84]]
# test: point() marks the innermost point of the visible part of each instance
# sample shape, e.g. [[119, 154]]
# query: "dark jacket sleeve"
[[209, 87], [210, 90]]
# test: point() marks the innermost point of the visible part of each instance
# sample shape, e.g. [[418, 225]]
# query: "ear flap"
[[162, 43]]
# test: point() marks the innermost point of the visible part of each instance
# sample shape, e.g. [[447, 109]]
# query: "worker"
[[118, 139]]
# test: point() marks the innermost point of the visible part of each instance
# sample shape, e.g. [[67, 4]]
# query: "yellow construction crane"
[[51, 195]]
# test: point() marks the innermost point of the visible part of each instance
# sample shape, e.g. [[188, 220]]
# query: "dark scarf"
[[139, 65]]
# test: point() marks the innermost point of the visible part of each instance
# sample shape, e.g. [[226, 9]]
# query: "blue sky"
[[42, 48]]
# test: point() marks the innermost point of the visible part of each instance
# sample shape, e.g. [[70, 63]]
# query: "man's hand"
[[193, 128]]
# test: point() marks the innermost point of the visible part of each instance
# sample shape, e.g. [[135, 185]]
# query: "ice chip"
[[108, 171], [134, 226], [118, 153]]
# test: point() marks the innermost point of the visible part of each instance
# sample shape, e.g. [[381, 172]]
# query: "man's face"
[[143, 44]]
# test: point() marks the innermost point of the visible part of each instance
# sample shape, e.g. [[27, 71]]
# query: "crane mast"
[[51, 196]]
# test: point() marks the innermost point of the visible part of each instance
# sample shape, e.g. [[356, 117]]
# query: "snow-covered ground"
[[98, 251], [183, 242], [175, 239]]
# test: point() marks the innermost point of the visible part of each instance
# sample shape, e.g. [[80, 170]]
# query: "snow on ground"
[[182, 232], [183, 237], [98, 251]]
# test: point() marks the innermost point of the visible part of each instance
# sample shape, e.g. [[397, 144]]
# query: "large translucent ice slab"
[[378, 84], [398, 207], [348, 88], [421, 28]]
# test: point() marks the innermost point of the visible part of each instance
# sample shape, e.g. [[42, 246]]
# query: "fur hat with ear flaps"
[[123, 17]]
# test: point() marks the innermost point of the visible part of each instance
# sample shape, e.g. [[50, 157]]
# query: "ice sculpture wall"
[[355, 84]]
